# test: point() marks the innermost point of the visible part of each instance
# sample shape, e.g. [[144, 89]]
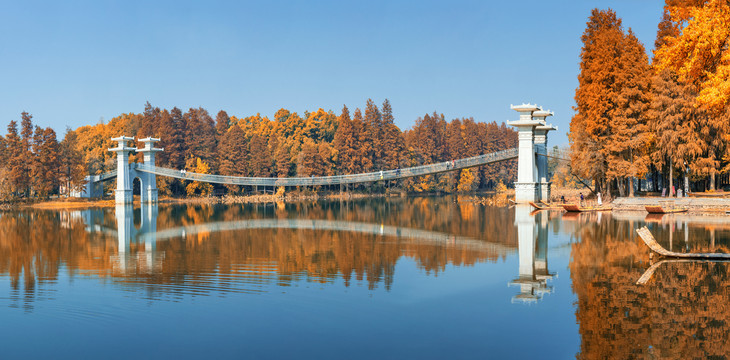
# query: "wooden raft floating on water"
[[649, 240]]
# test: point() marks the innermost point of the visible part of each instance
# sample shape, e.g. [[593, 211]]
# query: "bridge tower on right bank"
[[532, 182]]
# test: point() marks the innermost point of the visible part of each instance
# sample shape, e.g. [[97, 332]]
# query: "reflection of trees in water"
[[36, 245], [682, 313]]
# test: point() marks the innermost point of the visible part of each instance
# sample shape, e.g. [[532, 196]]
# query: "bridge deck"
[[339, 179]]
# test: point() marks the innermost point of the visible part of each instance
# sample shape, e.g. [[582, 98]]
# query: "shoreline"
[[695, 205]]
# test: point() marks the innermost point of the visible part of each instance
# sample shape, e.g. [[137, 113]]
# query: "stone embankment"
[[694, 204]]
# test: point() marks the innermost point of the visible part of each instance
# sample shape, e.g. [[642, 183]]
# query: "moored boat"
[[578, 208], [658, 209], [546, 206]]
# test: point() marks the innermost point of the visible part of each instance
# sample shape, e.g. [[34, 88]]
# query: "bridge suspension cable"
[[338, 179]]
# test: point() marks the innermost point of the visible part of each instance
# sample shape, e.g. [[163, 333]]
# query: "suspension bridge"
[[531, 185]]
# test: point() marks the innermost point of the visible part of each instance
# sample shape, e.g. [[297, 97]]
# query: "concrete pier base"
[[527, 191], [123, 196]]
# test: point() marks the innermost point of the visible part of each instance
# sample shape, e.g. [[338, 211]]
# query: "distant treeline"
[[34, 164], [319, 143]]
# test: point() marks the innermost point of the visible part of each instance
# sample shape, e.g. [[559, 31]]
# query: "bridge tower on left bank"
[[126, 172]]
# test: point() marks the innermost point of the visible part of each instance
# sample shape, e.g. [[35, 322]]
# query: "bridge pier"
[[123, 193], [148, 192], [126, 173], [543, 181], [532, 178]]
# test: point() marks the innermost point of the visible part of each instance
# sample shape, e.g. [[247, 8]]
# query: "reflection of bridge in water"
[[137, 244], [148, 234]]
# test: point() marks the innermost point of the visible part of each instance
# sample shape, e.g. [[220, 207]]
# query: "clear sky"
[[70, 63]]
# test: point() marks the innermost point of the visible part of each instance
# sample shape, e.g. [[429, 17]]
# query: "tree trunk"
[[712, 180], [671, 178], [631, 186], [621, 184]]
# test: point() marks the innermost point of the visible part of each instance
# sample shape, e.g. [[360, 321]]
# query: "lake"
[[424, 277]]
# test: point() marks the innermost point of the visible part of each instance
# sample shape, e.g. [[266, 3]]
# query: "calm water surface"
[[427, 278]]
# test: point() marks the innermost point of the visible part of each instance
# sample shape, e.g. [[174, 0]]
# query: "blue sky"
[[71, 63]]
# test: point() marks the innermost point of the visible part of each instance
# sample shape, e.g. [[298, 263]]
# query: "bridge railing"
[[337, 179]]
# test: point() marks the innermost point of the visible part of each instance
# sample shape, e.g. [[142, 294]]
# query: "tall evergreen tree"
[[222, 123], [628, 146], [310, 161], [346, 144], [259, 157], [72, 171], [17, 159], [393, 143], [608, 132], [201, 136], [150, 122], [233, 154], [26, 152], [48, 162], [374, 134], [364, 144]]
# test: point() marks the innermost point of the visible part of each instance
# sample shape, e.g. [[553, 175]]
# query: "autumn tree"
[[25, 153], [73, 170], [233, 154], [151, 121], [310, 161], [392, 141], [362, 160], [201, 142], [47, 162], [627, 147], [608, 133], [259, 157], [222, 123], [346, 143], [692, 52], [16, 159], [373, 131], [698, 52], [197, 187]]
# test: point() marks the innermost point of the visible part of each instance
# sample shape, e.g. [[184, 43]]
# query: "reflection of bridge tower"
[[532, 247], [531, 184], [127, 234]]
